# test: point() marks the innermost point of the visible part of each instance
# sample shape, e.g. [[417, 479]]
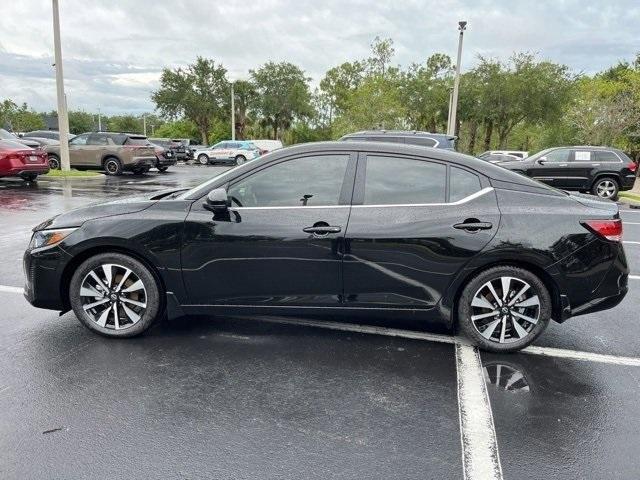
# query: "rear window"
[[136, 141], [13, 145], [462, 183], [607, 156], [421, 141]]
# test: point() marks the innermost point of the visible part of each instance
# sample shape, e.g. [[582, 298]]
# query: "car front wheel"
[[115, 295], [504, 309], [240, 159], [606, 188], [203, 159]]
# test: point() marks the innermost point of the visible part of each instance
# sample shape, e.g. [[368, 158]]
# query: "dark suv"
[[410, 137], [603, 171]]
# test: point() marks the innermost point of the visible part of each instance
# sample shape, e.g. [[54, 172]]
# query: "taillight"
[[608, 229], [632, 166]]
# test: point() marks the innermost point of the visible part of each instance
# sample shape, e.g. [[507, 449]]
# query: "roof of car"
[[404, 133]]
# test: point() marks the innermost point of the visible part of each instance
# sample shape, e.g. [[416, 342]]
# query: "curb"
[[77, 177]]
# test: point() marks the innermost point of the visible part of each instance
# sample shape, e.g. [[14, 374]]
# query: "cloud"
[[114, 51]]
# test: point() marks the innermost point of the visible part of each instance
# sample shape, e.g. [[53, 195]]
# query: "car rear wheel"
[[54, 162], [504, 309], [240, 159], [112, 166], [606, 188], [115, 295], [203, 159]]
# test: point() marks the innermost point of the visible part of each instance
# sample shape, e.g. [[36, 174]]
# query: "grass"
[[71, 173], [630, 196]]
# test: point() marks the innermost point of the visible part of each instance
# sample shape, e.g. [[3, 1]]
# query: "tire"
[[162, 169], [141, 308], [477, 299], [30, 177], [112, 166], [240, 159], [203, 159], [54, 162], [606, 187]]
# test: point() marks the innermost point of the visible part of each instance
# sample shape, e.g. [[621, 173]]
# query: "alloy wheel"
[[54, 164], [505, 310], [113, 296], [606, 189], [203, 159], [111, 167]]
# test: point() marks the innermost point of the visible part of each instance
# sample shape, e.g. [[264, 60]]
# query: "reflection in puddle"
[[506, 377]]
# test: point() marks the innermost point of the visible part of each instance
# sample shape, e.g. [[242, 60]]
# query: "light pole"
[[144, 124], [462, 26], [63, 119], [233, 113], [99, 120]]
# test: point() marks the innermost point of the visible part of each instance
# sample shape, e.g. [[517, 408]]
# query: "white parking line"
[[631, 243], [8, 289], [480, 457], [631, 223], [634, 277]]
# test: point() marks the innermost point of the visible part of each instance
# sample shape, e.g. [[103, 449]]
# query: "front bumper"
[[43, 272]]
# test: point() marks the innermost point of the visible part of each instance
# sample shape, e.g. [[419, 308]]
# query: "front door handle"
[[473, 226], [322, 229]]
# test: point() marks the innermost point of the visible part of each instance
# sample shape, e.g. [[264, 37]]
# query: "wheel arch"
[[547, 279], [600, 175], [75, 262], [108, 156]]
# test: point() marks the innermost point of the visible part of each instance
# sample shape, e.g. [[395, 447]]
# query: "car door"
[[77, 147], [414, 224], [554, 168], [583, 162], [281, 243]]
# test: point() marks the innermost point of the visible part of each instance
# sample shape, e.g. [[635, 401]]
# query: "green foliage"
[[200, 93], [81, 122], [19, 118], [124, 123], [283, 95], [176, 129]]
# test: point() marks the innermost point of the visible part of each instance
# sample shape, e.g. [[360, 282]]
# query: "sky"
[[115, 50]]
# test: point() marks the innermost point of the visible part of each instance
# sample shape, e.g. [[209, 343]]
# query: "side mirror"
[[541, 160], [217, 201]]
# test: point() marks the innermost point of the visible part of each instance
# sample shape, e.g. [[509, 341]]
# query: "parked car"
[[164, 157], [602, 171], [18, 160], [266, 146], [114, 153], [51, 134], [176, 147], [229, 152], [42, 142], [498, 157], [354, 228], [515, 153], [5, 135], [411, 137]]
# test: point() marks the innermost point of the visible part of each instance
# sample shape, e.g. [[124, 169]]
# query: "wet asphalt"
[[243, 398]]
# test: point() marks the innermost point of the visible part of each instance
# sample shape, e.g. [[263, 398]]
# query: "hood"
[[123, 206], [592, 201]]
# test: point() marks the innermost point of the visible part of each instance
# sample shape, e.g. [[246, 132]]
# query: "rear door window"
[[401, 181], [462, 183], [583, 156]]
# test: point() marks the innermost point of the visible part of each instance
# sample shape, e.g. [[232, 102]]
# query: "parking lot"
[[301, 398]]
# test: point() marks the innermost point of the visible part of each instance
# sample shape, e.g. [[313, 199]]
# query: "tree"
[[200, 93], [382, 52], [177, 129], [283, 95], [245, 98], [338, 83], [19, 118], [125, 123], [81, 122]]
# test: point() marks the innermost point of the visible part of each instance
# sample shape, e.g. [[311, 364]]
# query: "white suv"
[[230, 152]]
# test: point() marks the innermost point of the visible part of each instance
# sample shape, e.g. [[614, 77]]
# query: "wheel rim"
[[203, 159], [505, 310], [240, 160], [53, 163], [112, 167], [113, 296], [606, 189]]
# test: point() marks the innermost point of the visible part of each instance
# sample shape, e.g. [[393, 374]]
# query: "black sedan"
[[356, 228]]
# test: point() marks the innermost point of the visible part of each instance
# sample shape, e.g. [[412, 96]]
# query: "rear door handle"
[[322, 229], [473, 226]]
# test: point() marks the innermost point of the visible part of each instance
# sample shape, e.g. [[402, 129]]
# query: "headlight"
[[49, 238]]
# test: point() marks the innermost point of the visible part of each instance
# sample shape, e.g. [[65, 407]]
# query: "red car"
[[18, 160]]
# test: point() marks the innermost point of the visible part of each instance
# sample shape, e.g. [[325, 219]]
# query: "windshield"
[[542, 153]]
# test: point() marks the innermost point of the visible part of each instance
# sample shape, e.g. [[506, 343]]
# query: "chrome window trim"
[[462, 201]]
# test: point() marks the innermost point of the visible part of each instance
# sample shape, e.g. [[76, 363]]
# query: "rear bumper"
[[627, 182], [165, 162], [24, 170], [140, 162]]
